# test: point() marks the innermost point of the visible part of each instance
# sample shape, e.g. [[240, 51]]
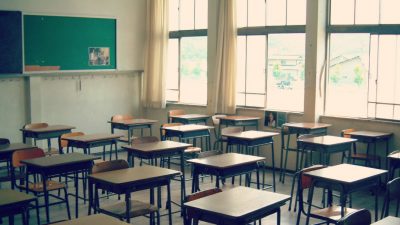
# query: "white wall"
[[56, 98]]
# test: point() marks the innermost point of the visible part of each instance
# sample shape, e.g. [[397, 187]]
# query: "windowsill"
[[364, 119], [185, 104]]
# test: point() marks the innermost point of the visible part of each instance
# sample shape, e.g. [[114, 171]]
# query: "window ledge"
[[394, 122], [186, 104]]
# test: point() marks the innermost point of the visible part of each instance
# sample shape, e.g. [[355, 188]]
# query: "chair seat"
[[97, 161], [363, 156], [123, 139], [138, 208], [333, 212], [38, 187], [193, 150]]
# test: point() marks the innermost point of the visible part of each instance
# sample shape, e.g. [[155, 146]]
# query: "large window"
[[271, 52], [187, 49], [364, 59]]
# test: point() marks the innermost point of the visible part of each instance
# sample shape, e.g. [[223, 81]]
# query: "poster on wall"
[[274, 119], [99, 56]]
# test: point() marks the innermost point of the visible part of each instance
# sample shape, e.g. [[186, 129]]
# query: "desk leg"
[[376, 198], [128, 206], [281, 160], [273, 165], [76, 194], [278, 216], [183, 182], [46, 197], [90, 187], [258, 178], [309, 200], [169, 203]]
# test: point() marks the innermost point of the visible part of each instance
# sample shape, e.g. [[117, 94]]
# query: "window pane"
[[373, 68], [286, 53], [187, 14], [296, 12], [241, 13], [384, 111], [390, 12], [201, 19], [276, 12], [241, 64], [396, 114], [172, 66], [256, 13], [255, 100], [386, 68], [172, 95], [194, 70], [371, 110], [240, 99], [342, 11], [348, 73], [173, 15], [255, 75], [367, 11]]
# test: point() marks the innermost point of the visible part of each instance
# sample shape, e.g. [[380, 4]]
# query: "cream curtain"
[[224, 76], [155, 61]]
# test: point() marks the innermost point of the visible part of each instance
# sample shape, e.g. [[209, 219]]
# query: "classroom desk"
[[129, 180], [132, 124], [225, 165], [240, 121], [190, 118], [88, 141], [190, 131], [15, 202], [47, 167], [52, 131], [394, 163], [297, 128], [251, 140], [237, 206], [160, 149], [98, 219], [345, 178], [6, 152], [372, 137], [325, 145], [390, 220]]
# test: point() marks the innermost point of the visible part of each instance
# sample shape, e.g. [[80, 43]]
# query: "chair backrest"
[[35, 125], [175, 112], [231, 130], [162, 131], [120, 117], [346, 133], [64, 143], [110, 166], [359, 217], [4, 141], [392, 193], [202, 194], [141, 140], [208, 153], [215, 119], [26, 154], [306, 181]]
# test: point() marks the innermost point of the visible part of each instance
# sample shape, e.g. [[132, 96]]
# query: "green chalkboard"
[[69, 43]]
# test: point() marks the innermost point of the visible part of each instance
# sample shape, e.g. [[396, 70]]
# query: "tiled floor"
[[360, 200]]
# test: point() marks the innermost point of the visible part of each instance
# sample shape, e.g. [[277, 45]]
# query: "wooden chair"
[[187, 213], [37, 187], [174, 112], [392, 194], [49, 151], [394, 163], [216, 121], [5, 141], [140, 140], [190, 152], [222, 139], [359, 217], [118, 210], [64, 143], [122, 117], [366, 157], [330, 214]]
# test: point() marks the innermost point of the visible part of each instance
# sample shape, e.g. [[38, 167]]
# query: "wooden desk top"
[[394, 156], [239, 202], [134, 175], [390, 220], [98, 219], [60, 160], [191, 116], [328, 140], [157, 146], [15, 147], [93, 137], [346, 173], [227, 160], [188, 128], [50, 128], [9, 197], [310, 126], [251, 135], [134, 122], [370, 134], [239, 118]]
